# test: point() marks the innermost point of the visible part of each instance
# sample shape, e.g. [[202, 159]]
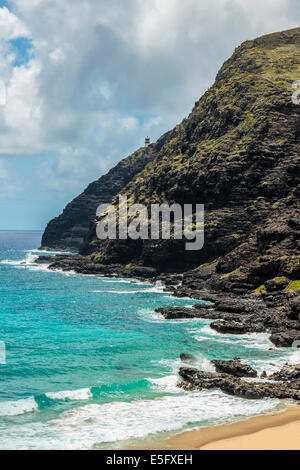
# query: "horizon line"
[[20, 230]]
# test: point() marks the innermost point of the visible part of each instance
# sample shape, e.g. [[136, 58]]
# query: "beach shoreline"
[[279, 430]]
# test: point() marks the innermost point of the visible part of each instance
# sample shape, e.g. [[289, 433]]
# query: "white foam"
[[150, 315], [153, 290], [50, 253], [65, 273], [80, 394], [200, 363], [119, 421], [287, 356], [124, 281], [166, 384], [249, 340], [28, 262], [9, 262], [18, 407]]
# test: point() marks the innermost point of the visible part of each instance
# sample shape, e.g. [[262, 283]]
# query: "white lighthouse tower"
[[147, 141]]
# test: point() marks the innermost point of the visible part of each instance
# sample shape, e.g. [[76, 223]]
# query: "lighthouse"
[[147, 141]]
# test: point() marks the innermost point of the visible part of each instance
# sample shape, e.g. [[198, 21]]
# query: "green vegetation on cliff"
[[238, 152]]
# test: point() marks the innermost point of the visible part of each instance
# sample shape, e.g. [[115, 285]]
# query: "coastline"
[[273, 431], [276, 430]]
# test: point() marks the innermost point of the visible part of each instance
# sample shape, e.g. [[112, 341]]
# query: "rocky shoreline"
[[277, 315], [283, 385]]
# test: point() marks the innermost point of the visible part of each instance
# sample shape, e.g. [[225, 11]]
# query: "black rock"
[[171, 313], [194, 379], [188, 357], [285, 339], [235, 368]]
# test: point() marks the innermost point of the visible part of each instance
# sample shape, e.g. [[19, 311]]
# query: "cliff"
[[67, 232], [238, 152]]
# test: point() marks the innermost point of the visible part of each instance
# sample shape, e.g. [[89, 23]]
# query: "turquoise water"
[[90, 364]]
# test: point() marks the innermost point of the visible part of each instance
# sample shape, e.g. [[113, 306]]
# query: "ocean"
[[89, 364]]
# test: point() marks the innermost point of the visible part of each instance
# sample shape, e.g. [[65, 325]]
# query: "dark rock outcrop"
[[237, 328], [235, 367], [187, 357], [173, 313], [194, 379], [287, 373], [285, 339]]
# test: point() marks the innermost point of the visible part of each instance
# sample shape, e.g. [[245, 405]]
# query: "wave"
[[156, 289], [249, 340], [50, 253], [85, 426], [18, 407], [29, 260], [167, 384], [80, 394], [174, 365], [127, 292], [124, 281], [149, 315], [29, 263], [33, 403], [287, 356]]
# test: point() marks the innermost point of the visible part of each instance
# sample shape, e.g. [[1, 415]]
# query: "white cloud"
[[106, 74], [57, 55], [117, 62], [10, 25], [23, 105]]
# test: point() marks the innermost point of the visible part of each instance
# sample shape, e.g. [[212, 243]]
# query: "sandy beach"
[[277, 431]]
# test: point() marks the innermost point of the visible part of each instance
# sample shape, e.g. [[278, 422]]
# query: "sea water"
[[90, 364]]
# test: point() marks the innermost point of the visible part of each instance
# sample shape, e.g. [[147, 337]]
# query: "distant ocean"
[[91, 365]]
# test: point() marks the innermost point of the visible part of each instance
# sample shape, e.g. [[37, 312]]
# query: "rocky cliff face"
[[238, 152], [67, 232]]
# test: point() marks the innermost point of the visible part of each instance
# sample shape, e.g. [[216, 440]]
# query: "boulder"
[[188, 357], [285, 339], [235, 368], [173, 313], [194, 379]]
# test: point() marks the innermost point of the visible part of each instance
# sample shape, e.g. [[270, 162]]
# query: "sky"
[[82, 82]]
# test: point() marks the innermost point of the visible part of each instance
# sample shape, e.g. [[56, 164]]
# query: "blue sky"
[[86, 81]]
